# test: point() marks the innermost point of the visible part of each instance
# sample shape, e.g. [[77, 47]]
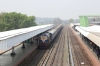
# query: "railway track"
[[80, 57], [58, 61], [54, 56], [33, 58]]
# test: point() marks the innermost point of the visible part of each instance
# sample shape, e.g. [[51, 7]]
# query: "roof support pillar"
[[13, 52], [23, 45]]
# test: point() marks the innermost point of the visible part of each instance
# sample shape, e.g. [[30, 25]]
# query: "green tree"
[[13, 20], [71, 20]]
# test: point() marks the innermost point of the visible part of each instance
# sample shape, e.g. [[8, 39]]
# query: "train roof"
[[53, 30]]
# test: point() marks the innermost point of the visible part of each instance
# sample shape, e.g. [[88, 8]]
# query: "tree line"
[[14, 20]]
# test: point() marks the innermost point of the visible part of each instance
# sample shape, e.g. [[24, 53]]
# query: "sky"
[[64, 9]]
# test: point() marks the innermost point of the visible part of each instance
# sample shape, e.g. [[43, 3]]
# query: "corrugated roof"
[[11, 33], [94, 28], [13, 37], [91, 32]]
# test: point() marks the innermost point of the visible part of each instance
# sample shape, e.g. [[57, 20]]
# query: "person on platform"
[[97, 52]]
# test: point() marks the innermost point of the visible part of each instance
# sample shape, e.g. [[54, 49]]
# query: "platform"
[[7, 60]]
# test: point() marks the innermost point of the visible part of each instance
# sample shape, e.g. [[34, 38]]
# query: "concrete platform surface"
[[7, 60]]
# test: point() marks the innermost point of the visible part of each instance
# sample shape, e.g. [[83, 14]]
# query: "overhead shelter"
[[92, 33], [14, 37]]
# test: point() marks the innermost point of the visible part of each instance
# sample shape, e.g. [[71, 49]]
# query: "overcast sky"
[[65, 9]]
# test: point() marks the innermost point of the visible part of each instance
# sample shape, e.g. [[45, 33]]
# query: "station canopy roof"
[[91, 32], [14, 37]]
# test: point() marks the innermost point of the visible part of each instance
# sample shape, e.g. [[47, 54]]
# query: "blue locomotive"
[[46, 38]]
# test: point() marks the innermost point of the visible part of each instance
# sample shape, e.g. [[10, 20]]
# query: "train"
[[46, 38]]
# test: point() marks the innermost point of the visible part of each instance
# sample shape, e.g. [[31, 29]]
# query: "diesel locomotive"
[[46, 38]]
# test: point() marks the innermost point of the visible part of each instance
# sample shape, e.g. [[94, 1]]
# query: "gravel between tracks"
[[57, 55], [80, 56]]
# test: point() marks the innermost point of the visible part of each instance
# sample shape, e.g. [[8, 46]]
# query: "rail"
[[71, 56]]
